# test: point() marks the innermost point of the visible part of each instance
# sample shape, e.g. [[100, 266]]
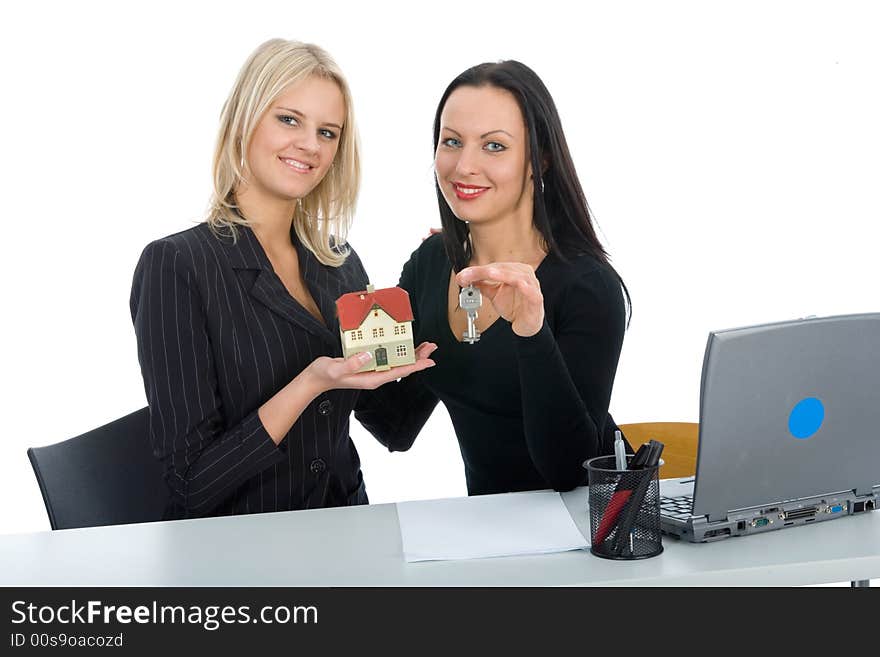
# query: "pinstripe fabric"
[[218, 334]]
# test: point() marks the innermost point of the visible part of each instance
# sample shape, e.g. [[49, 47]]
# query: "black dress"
[[527, 412]]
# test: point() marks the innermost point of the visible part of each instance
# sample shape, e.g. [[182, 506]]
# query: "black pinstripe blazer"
[[218, 334]]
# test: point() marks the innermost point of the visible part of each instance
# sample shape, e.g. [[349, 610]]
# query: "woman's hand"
[[514, 291], [327, 373]]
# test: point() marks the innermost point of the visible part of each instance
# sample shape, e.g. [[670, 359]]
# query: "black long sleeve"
[[396, 412], [527, 412], [566, 378]]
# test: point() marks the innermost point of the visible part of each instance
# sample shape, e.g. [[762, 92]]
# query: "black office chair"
[[107, 476]]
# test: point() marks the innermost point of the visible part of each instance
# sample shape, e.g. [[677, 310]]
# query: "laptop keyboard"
[[677, 507]]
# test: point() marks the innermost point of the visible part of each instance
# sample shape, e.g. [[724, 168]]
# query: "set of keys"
[[470, 300]]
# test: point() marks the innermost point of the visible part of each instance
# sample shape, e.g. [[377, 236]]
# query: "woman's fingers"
[[345, 373], [491, 279], [357, 361], [425, 349], [498, 281], [503, 272], [529, 291], [372, 380], [514, 291]]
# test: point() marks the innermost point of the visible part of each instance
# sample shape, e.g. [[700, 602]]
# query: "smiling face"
[[294, 144], [482, 162]]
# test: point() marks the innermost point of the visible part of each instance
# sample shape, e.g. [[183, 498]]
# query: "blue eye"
[[288, 119], [495, 147], [328, 134], [451, 142]]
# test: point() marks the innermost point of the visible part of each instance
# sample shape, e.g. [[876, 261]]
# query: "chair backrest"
[[107, 476], [680, 440]]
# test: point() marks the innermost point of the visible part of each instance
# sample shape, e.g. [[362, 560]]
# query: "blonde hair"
[[326, 212]]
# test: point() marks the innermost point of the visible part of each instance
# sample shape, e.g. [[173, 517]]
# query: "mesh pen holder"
[[624, 510]]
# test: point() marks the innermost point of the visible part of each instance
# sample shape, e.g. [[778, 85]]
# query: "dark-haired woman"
[[529, 400]]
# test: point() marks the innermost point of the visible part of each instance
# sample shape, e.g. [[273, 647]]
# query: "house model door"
[[381, 357]]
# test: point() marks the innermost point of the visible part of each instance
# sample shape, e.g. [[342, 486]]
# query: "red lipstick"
[[468, 192]]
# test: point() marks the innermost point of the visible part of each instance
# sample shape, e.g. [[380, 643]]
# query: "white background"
[[729, 151]]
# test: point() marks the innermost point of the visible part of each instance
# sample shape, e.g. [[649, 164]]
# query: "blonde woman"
[[235, 319]]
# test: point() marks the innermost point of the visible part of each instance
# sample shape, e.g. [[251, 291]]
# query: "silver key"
[[470, 301]]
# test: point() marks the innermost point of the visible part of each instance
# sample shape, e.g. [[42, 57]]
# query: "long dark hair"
[[561, 213]]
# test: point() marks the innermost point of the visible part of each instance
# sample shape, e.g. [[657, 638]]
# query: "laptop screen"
[[788, 410]]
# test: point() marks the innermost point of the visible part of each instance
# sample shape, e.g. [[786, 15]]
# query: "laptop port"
[[717, 532], [869, 505], [760, 522], [858, 507], [797, 514]]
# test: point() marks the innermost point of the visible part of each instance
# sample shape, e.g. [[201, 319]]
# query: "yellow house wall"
[[378, 318]]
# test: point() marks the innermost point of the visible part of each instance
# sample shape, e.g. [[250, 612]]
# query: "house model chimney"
[[370, 288]]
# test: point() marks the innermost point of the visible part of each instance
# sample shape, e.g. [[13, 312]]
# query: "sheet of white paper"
[[533, 522], [677, 487]]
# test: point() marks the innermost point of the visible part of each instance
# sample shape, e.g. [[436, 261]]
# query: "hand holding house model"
[[378, 321]]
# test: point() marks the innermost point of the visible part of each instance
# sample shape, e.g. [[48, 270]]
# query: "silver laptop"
[[789, 429]]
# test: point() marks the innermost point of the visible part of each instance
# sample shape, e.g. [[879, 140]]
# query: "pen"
[[612, 511], [629, 514], [621, 495], [619, 451]]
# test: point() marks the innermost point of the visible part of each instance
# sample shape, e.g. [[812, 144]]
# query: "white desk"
[[361, 546]]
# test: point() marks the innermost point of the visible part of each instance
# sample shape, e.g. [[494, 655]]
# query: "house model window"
[[371, 312]]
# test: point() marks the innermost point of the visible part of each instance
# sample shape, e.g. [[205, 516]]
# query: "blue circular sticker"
[[806, 418]]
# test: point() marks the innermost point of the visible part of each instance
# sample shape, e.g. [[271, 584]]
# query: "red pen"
[[621, 494], [618, 500]]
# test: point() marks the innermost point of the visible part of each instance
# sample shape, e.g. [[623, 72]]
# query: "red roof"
[[354, 307]]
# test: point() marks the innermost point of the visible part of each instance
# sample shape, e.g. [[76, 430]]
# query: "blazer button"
[[317, 466], [325, 407]]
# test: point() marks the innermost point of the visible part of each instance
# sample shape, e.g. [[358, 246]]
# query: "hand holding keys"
[[470, 299]]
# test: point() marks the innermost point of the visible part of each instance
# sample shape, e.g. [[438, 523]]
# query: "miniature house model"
[[378, 321]]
